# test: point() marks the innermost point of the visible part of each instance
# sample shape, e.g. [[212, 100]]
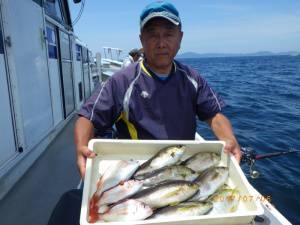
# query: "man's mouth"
[[162, 54]]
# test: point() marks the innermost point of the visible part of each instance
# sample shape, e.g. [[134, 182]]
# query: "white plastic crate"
[[110, 151]]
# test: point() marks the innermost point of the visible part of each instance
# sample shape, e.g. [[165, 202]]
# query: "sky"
[[209, 26]]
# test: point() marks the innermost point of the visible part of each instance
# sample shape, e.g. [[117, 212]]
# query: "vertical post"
[[98, 64]]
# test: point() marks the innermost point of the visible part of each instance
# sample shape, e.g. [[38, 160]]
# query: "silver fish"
[[184, 209], [167, 193], [210, 181], [130, 210], [225, 201], [165, 157], [120, 192], [202, 161], [114, 174], [117, 173], [168, 173]]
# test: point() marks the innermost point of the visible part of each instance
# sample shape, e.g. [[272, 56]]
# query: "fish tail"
[[93, 209]]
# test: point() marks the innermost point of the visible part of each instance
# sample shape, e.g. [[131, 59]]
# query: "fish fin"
[[225, 186], [174, 203], [93, 219], [233, 209], [93, 211], [94, 201], [213, 197]]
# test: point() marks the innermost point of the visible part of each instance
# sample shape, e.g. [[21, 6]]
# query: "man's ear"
[[181, 35], [141, 38]]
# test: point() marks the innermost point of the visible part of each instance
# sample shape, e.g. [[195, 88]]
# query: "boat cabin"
[[45, 77]]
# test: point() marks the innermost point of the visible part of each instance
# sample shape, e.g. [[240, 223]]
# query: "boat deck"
[[33, 198]]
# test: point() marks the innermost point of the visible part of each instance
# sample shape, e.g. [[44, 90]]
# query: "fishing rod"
[[250, 156], [274, 154]]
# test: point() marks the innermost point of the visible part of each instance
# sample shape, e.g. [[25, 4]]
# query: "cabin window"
[[53, 9], [67, 74], [90, 55], [1, 41], [59, 10], [39, 2], [65, 46], [85, 57], [80, 91], [78, 52], [86, 73], [52, 43]]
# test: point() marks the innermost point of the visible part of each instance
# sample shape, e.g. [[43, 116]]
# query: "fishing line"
[[79, 14]]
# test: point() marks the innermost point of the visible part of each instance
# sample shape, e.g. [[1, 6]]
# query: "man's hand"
[[82, 154], [83, 132], [233, 148], [221, 127]]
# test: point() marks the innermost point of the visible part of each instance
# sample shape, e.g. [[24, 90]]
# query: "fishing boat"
[[47, 73]]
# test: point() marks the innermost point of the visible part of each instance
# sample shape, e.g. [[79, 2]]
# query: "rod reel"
[[250, 156]]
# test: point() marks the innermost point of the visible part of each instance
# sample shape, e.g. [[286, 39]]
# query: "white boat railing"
[[112, 53], [109, 63]]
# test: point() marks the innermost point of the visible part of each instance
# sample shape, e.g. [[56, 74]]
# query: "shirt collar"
[[149, 72]]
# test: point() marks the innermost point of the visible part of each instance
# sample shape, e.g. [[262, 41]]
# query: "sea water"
[[262, 96]]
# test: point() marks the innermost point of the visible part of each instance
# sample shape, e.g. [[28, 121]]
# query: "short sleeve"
[[208, 101], [101, 108]]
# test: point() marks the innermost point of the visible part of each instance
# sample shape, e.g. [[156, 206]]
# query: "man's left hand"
[[233, 148]]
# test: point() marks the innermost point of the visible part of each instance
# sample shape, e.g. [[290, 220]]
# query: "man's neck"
[[161, 70]]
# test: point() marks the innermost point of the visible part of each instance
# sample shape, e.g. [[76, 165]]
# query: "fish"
[[183, 209], [120, 192], [225, 201], [167, 193], [165, 157], [119, 172], [129, 210], [202, 161], [113, 175], [176, 172], [210, 181]]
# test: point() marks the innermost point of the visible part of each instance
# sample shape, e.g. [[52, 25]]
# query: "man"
[[157, 98], [133, 56]]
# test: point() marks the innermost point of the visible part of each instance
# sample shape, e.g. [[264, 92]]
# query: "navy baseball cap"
[[160, 9]]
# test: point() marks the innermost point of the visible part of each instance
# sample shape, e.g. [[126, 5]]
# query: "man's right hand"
[[83, 132], [82, 154]]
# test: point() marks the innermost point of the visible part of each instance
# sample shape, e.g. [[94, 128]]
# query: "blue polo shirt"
[[143, 106]]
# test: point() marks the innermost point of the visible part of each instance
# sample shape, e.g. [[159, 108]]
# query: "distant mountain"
[[212, 55]]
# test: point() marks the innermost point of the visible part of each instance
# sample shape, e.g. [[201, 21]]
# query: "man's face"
[[161, 41]]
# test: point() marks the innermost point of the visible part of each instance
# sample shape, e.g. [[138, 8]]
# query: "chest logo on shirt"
[[144, 94]]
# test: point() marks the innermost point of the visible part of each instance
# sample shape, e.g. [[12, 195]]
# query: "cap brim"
[[150, 17]]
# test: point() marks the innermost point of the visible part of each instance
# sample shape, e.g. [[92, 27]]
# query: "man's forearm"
[[223, 130], [221, 127], [83, 132]]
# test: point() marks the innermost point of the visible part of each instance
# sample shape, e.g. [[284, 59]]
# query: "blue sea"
[[262, 95]]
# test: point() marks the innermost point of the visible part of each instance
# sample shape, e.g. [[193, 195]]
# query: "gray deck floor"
[[32, 199]]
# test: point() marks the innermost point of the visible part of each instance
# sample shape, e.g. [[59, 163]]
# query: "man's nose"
[[161, 42]]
